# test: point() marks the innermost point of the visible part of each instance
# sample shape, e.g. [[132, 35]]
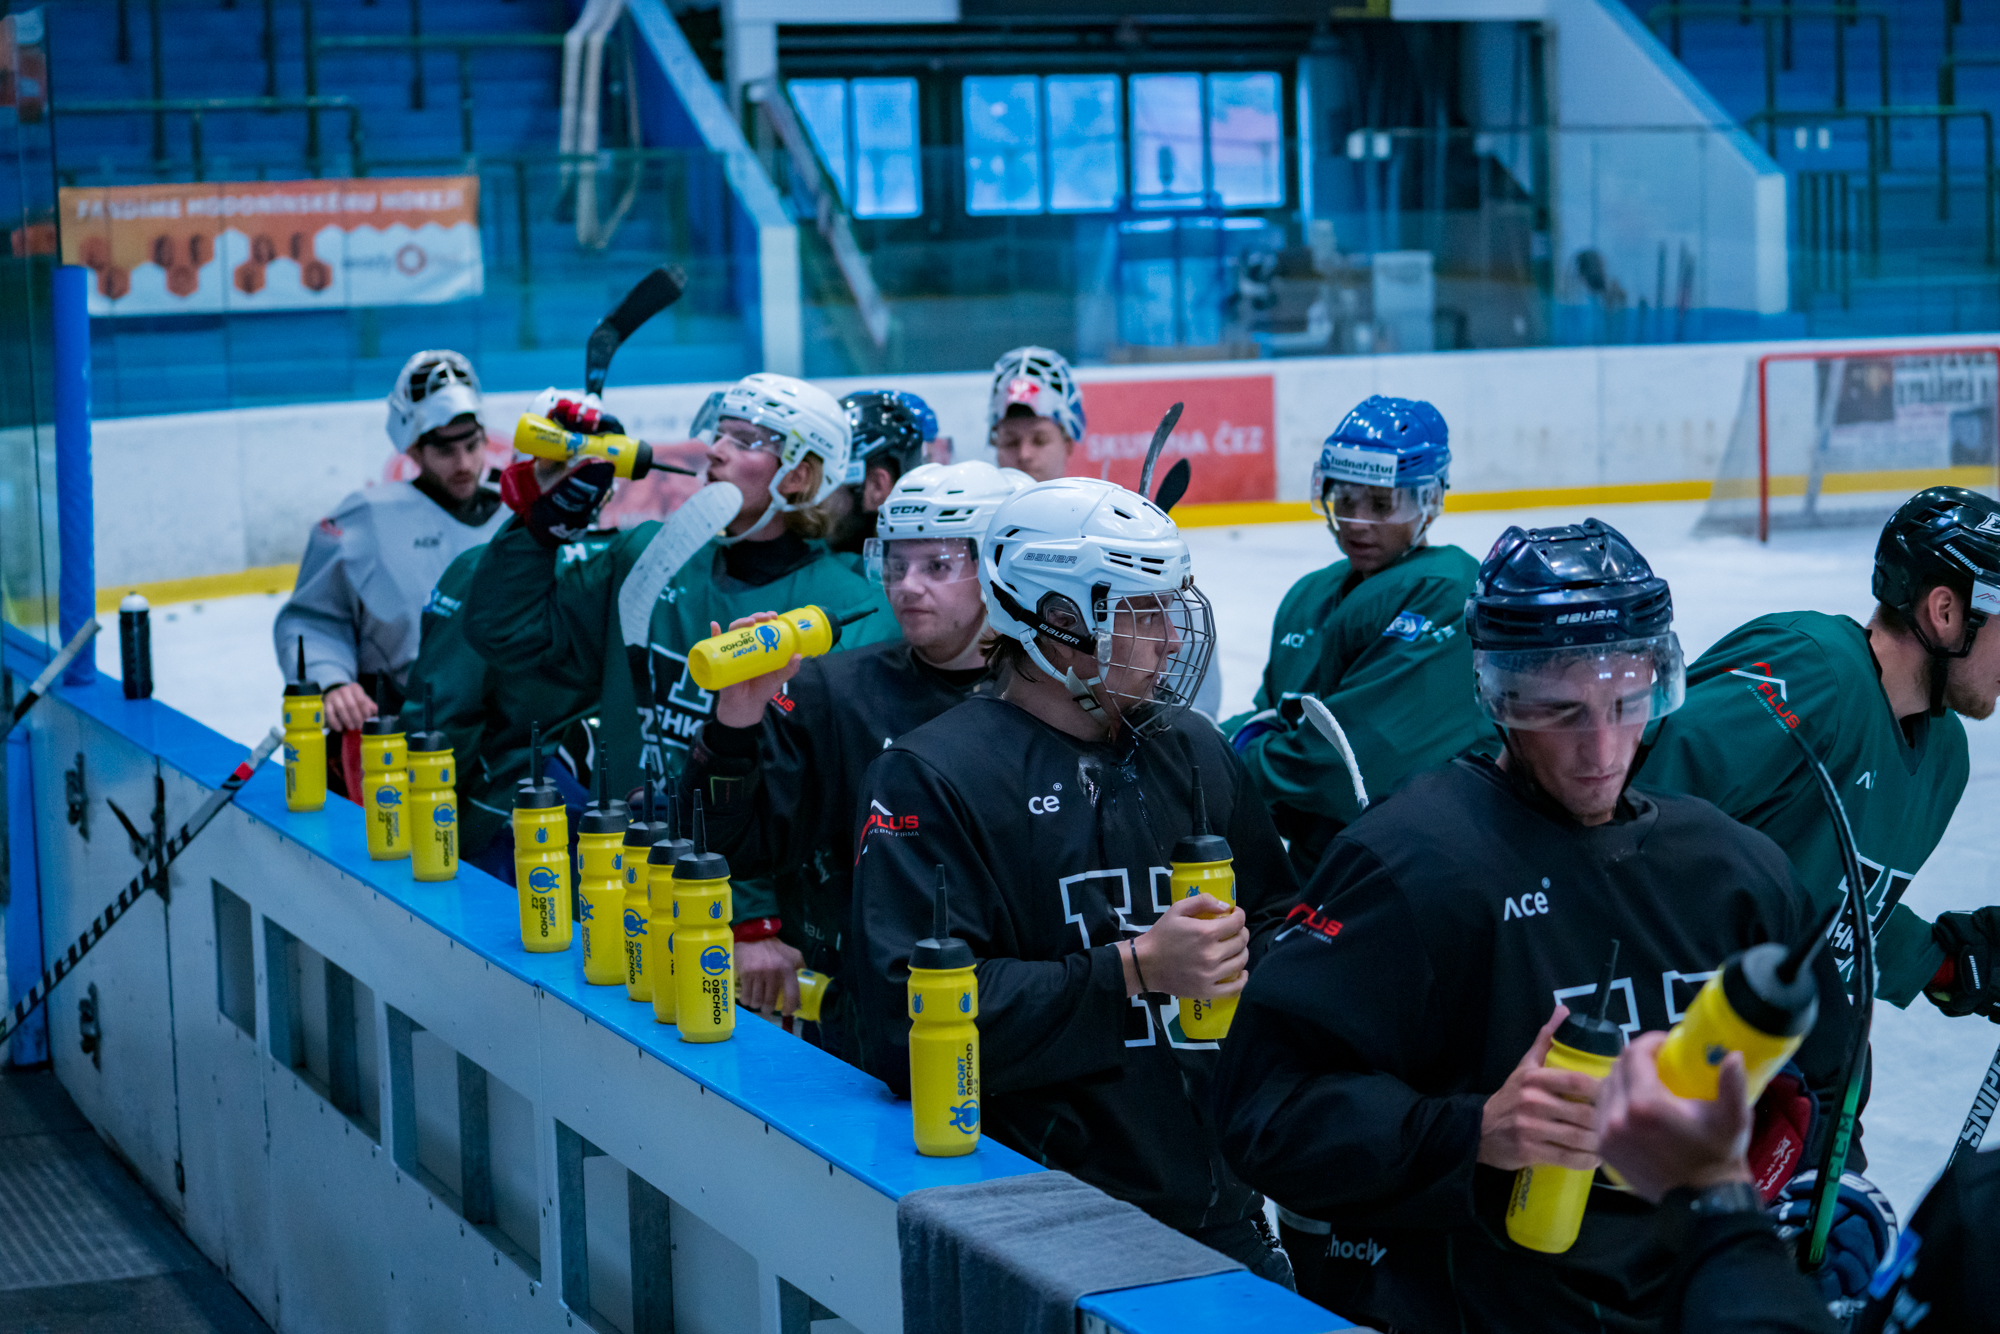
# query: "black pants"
[[1249, 1240]]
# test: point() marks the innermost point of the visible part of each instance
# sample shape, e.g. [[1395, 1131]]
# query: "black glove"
[[562, 513], [1967, 983]]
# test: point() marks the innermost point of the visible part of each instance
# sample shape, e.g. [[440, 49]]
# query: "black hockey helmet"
[[887, 433], [1572, 629], [1943, 535]]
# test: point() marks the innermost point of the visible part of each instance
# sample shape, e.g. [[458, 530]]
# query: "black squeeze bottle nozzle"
[[603, 816], [669, 847], [1771, 987], [1201, 846], [536, 793], [302, 686], [383, 723], [1596, 1034], [430, 739], [834, 624], [941, 950], [642, 832], [698, 863]]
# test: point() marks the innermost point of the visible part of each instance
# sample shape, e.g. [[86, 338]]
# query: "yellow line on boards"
[[1455, 502], [203, 587]]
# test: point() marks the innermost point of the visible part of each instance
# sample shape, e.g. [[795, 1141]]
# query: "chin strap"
[[1940, 657], [1079, 689], [771, 511]]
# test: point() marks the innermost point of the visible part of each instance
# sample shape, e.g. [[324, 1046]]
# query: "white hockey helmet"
[[434, 387], [1039, 380], [1102, 570], [806, 419], [942, 501]]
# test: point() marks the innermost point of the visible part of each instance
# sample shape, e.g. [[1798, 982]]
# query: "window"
[[1246, 140], [1084, 166], [866, 133], [1003, 151], [1169, 155]]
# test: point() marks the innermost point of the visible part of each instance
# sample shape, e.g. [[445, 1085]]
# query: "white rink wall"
[[212, 493]]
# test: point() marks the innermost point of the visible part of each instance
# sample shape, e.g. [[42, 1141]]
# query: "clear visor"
[[705, 419], [1353, 502], [1625, 684], [909, 564], [1152, 660]]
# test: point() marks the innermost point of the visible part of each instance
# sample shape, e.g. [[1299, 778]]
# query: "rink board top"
[[824, 1104]]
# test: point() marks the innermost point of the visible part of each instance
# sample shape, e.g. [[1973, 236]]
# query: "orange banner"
[[1227, 433], [275, 245]]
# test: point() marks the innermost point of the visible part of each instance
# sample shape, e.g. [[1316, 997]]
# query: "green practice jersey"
[[524, 618], [487, 714], [1812, 673]]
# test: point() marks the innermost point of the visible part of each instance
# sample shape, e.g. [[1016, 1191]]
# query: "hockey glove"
[[1781, 1131], [1966, 983], [1281, 719], [1864, 1227], [563, 512]]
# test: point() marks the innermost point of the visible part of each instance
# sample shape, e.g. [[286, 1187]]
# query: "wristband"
[[757, 928], [1137, 971]]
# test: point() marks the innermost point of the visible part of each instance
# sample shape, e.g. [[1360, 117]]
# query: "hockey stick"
[[84, 634], [1323, 721], [1833, 1158], [154, 869], [1973, 1132], [648, 297], [1174, 485], [1160, 434], [687, 530]]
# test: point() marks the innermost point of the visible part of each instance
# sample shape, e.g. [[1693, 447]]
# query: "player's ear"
[[1943, 606]]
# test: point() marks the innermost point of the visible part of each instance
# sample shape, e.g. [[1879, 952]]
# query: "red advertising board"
[[1227, 433]]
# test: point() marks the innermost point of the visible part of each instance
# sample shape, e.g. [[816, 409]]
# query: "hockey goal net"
[[1843, 436]]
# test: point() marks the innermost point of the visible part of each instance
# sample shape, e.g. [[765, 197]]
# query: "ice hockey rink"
[[214, 661]]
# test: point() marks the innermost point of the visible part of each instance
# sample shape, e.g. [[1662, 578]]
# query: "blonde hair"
[[813, 522]]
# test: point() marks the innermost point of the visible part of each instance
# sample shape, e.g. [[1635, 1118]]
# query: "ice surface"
[[214, 661]]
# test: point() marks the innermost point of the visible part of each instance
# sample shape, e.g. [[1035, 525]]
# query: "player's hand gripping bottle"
[[385, 786], [704, 945], [944, 1040], [305, 741], [433, 803], [602, 837], [658, 880], [737, 655], [541, 857], [1545, 1211], [540, 438], [1203, 864], [1761, 1002]]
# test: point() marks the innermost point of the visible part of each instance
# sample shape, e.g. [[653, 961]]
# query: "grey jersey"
[[368, 570]]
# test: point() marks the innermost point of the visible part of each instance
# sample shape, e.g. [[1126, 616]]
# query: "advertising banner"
[[1227, 433], [205, 249], [1934, 410]]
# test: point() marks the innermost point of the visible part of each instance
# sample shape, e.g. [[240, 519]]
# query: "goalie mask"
[[433, 389], [1103, 571]]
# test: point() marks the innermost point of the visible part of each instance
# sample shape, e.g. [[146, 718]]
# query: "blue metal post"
[[76, 597], [23, 928]]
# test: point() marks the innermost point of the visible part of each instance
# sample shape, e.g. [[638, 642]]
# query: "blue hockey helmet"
[[1383, 445], [926, 419]]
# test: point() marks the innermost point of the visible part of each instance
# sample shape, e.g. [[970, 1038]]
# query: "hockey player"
[[1379, 637], [1034, 415], [1880, 706], [1052, 809], [1385, 1069], [888, 438], [782, 772], [784, 444], [369, 567]]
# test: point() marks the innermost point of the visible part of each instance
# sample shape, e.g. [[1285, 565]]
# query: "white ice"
[[215, 662]]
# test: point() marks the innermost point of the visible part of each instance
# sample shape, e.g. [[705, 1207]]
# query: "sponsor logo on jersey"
[[1310, 920], [1351, 463], [1532, 904], [1866, 780], [1296, 639], [1407, 626], [441, 603], [1771, 687], [881, 820], [1049, 805], [1366, 1249], [783, 701], [430, 543]]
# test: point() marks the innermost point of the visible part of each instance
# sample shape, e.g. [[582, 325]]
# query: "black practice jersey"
[[1443, 927], [1056, 849]]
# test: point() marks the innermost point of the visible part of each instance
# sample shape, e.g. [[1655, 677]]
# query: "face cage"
[[960, 554], [1354, 502], [1191, 620], [1578, 689]]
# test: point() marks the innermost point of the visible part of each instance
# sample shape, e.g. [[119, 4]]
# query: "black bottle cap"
[[643, 834], [426, 742], [698, 863], [1754, 986], [602, 818], [941, 950], [383, 725], [1595, 1033], [302, 686]]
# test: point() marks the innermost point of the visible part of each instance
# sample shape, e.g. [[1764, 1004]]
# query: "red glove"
[[1781, 1131], [563, 512]]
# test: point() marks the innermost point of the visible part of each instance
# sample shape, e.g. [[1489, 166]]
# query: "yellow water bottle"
[[385, 786], [538, 437], [541, 857], [752, 650], [305, 741], [1761, 1002], [1203, 864], [433, 803], [660, 864], [812, 996], [600, 883], [703, 943], [1545, 1210], [944, 1040]]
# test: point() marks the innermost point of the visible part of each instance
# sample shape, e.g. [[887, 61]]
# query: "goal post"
[[1841, 436]]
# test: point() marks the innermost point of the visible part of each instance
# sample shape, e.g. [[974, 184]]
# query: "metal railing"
[[1824, 253], [1771, 17], [195, 108], [1948, 68], [417, 44]]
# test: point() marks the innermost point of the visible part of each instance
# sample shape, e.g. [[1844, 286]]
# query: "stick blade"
[[648, 297], [687, 530], [1174, 485]]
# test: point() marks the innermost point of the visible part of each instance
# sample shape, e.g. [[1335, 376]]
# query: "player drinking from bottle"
[[781, 763], [1379, 637], [783, 443], [1053, 807], [1880, 705], [1385, 1072]]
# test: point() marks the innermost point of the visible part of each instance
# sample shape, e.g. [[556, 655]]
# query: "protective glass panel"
[[887, 182], [1246, 140], [1169, 162], [1084, 168], [822, 105], [1003, 156]]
